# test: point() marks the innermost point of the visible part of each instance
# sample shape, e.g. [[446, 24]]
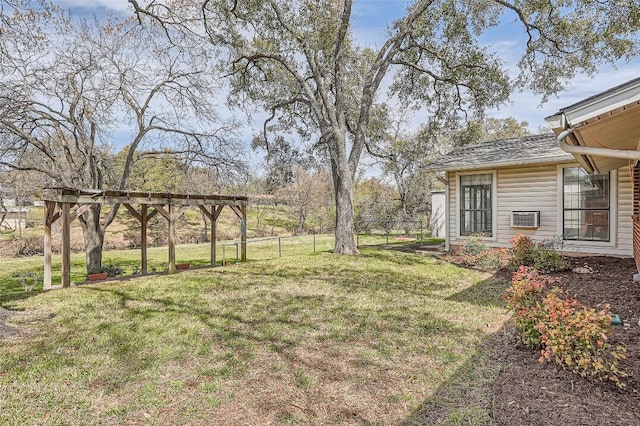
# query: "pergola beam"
[[78, 211], [66, 195]]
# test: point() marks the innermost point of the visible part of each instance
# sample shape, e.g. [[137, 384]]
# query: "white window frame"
[[613, 211], [494, 203]]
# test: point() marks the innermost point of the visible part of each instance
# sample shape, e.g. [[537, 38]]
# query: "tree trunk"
[[343, 190], [93, 237], [407, 224], [302, 218]]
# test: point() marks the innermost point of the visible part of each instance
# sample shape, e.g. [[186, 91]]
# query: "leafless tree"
[[71, 85]]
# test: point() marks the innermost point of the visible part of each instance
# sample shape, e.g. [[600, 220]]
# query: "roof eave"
[[581, 112], [556, 121], [501, 164]]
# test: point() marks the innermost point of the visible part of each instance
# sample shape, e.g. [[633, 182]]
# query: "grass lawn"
[[312, 339]]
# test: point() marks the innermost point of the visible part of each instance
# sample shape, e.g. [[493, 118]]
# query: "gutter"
[[626, 154]]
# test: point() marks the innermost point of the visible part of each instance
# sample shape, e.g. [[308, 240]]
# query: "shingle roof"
[[504, 152]]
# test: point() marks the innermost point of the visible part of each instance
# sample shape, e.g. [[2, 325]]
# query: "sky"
[[370, 20]]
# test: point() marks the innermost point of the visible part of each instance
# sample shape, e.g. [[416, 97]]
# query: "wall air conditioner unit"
[[525, 219]]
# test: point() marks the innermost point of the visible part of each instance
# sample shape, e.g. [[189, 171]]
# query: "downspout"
[[447, 236], [626, 154]]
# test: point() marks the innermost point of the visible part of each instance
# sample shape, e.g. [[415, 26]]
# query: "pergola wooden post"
[[213, 218], [59, 201], [52, 212], [241, 213], [243, 234], [66, 245], [214, 233], [49, 211], [144, 218]]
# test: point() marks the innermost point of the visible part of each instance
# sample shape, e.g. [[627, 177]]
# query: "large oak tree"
[[298, 60]]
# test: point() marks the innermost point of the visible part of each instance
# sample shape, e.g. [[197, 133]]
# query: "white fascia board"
[[556, 121], [582, 113]]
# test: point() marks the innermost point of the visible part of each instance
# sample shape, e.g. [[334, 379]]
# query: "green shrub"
[[491, 259], [474, 252], [542, 256], [473, 247]]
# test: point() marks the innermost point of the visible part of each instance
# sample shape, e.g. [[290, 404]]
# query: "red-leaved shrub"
[[566, 331]]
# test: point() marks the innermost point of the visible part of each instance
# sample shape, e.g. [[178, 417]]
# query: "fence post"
[[357, 239], [236, 252], [421, 230], [314, 242], [279, 246], [224, 253]]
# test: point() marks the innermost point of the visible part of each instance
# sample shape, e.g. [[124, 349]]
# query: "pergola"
[[67, 204]]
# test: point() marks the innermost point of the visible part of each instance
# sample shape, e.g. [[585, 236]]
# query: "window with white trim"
[[476, 204], [586, 205]]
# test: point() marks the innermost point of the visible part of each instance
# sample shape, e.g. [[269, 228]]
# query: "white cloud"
[[92, 5]]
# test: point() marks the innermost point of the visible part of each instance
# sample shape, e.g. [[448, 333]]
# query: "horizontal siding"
[[527, 188], [536, 188], [625, 210], [452, 178]]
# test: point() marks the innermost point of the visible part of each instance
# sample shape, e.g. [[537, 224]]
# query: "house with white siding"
[[602, 132], [529, 185]]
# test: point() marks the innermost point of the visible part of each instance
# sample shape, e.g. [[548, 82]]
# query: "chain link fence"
[[367, 234]]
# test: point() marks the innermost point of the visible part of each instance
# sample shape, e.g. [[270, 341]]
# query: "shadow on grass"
[[139, 331], [466, 397], [485, 293], [405, 247]]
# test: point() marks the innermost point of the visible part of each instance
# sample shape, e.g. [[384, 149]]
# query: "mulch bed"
[[531, 393]]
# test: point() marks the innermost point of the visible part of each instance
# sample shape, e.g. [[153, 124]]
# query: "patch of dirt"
[[530, 393], [6, 331]]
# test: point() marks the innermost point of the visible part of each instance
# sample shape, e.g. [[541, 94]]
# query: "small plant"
[[110, 269], [473, 247], [491, 260], [522, 251], [113, 270], [476, 253], [136, 270], [28, 280]]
